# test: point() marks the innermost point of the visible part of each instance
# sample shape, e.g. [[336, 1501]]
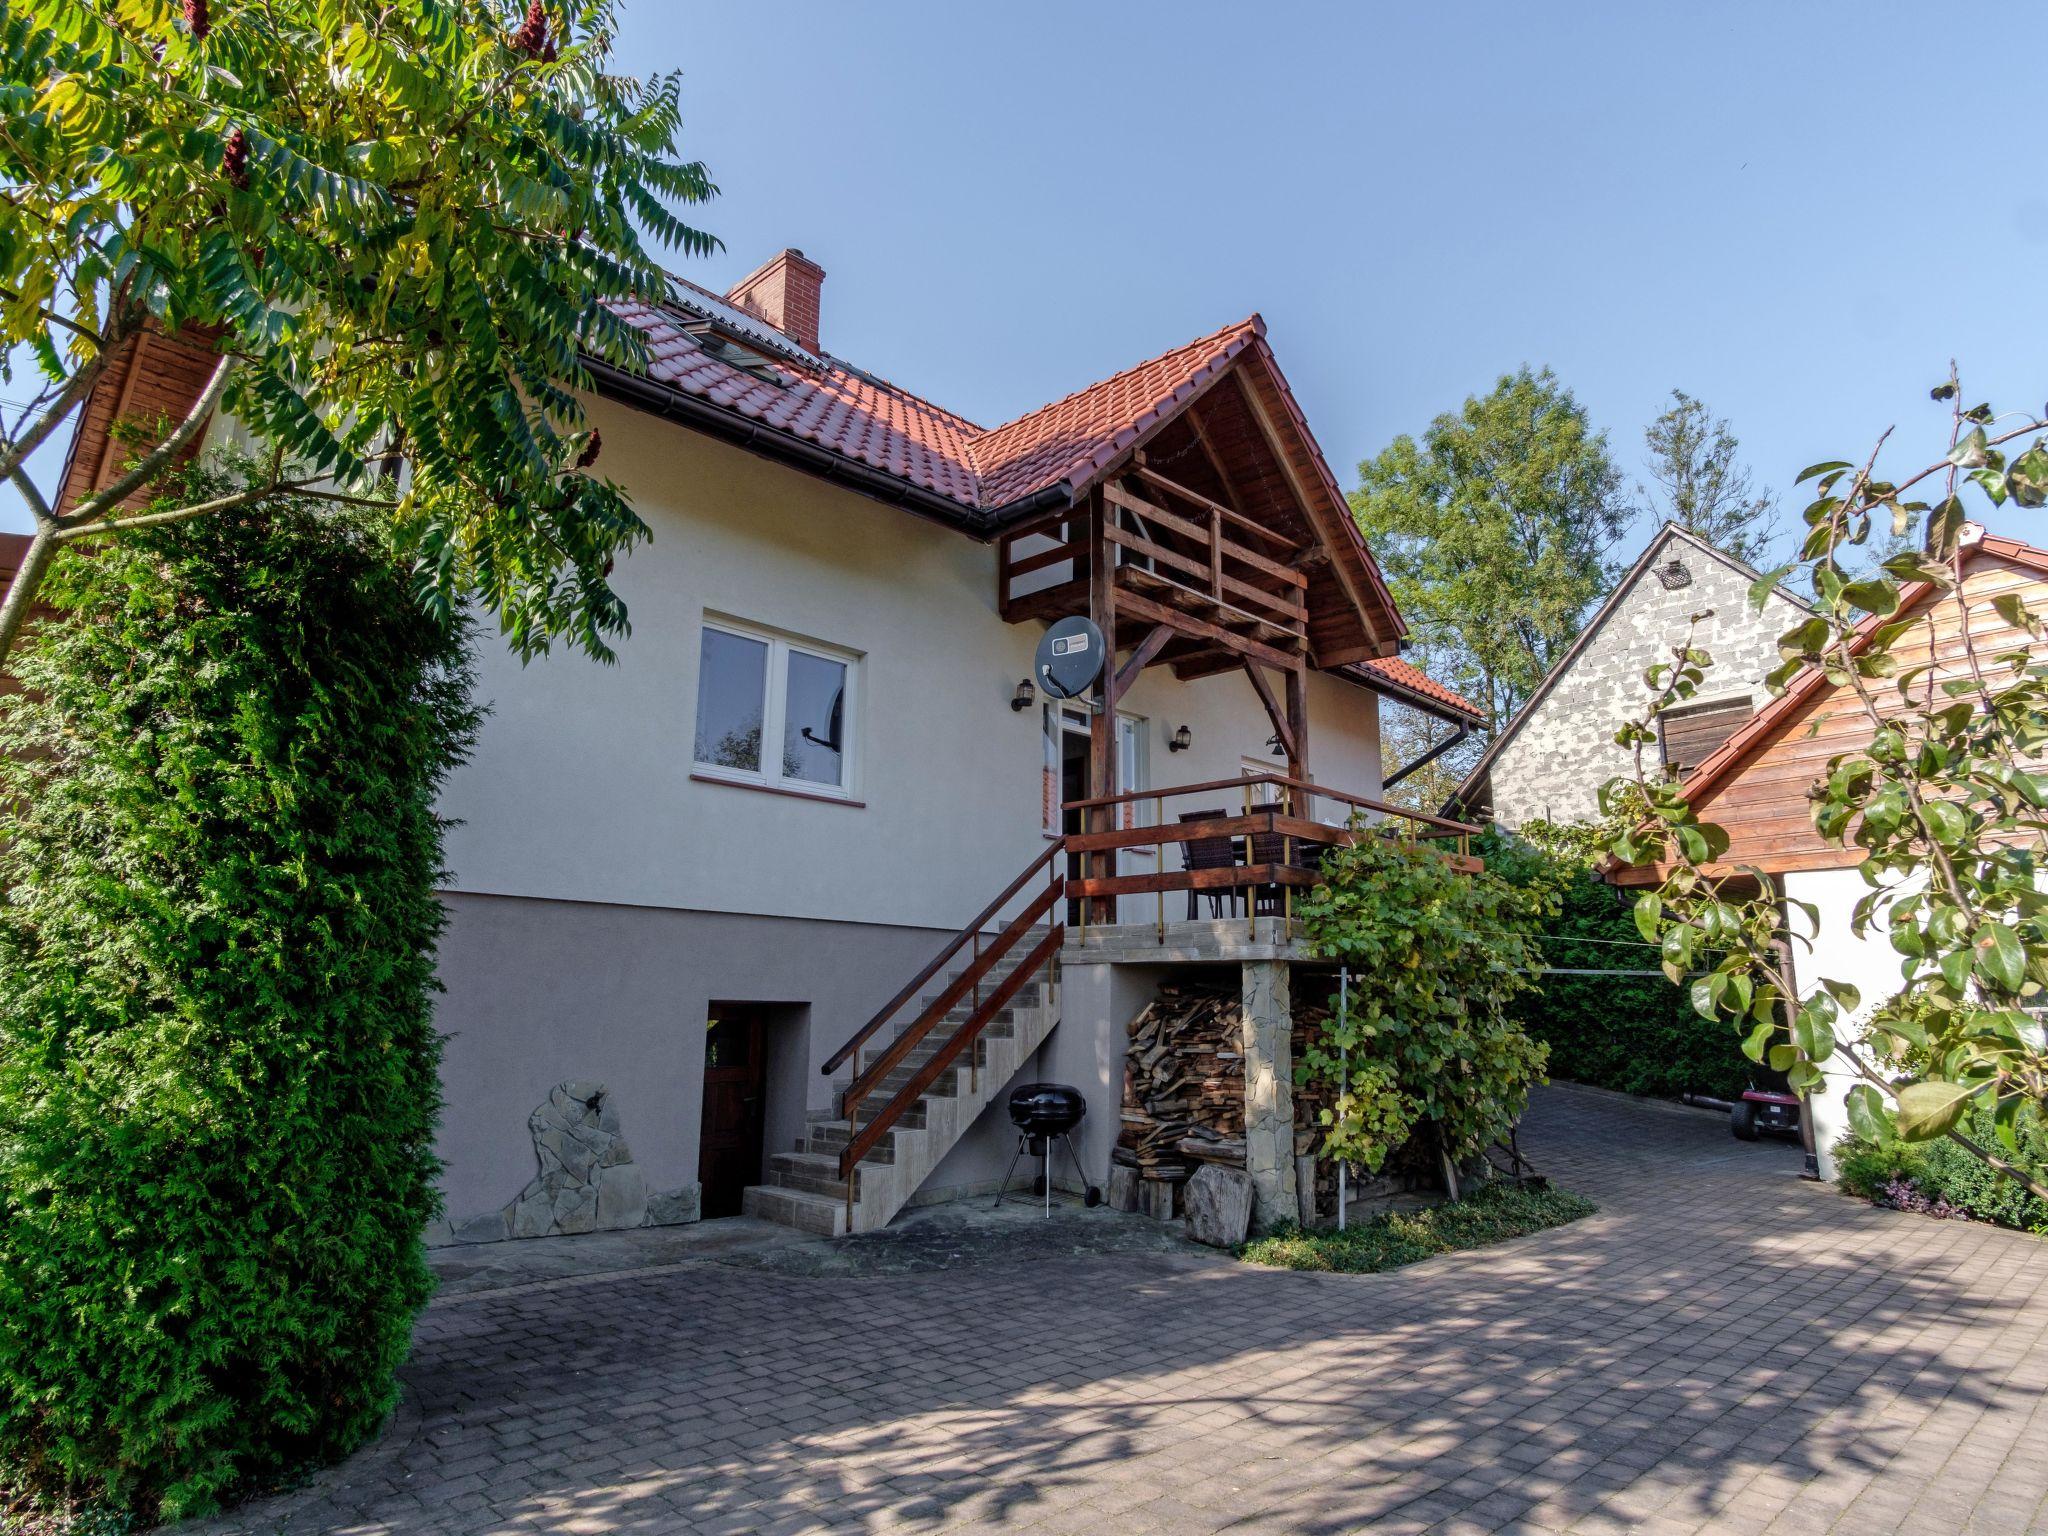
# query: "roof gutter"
[[643, 394]]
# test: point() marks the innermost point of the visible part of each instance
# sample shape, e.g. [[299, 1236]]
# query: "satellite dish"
[[1070, 657]]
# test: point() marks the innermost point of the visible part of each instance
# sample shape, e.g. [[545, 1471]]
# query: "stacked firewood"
[[1310, 1100], [1183, 1084]]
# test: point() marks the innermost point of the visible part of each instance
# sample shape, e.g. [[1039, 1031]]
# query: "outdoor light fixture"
[[1181, 741], [1025, 695]]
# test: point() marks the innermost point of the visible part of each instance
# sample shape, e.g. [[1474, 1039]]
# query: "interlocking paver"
[[1723, 1348]]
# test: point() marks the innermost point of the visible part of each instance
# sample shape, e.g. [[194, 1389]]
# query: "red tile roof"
[[1074, 438], [875, 423], [1403, 677]]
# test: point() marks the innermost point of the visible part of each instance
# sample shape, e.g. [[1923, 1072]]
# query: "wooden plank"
[[1296, 736], [1153, 478], [1281, 780], [1038, 562], [1286, 607], [1138, 506], [1274, 712], [1192, 880], [1141, 656], [1225, 615], [1173, 832], [1307, 500], [1102, 726], [1142, 607], [1049, 602]]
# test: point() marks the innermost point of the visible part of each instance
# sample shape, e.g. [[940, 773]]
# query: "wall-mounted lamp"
[[1025, 696], [1181, 741]]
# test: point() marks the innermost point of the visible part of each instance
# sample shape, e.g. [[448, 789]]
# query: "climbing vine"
[[1428, 1046]]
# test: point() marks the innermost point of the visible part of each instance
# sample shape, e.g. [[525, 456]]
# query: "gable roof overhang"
[[1460, 802], [1408, 684], [1745, 745], [1222, 393]]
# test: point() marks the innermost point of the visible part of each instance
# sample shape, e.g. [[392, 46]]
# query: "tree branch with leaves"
[[402, 231], [1943, 795]]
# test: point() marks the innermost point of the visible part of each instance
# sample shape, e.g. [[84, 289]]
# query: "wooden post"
[[1297, 727], [1102, 779]]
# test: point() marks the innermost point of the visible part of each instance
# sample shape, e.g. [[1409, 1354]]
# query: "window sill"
[[777, 789]]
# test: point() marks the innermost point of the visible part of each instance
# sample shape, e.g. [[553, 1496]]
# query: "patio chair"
[[1275, 848], [1210, 853]]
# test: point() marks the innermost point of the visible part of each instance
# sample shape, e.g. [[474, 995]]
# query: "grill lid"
[[1046, 1109]]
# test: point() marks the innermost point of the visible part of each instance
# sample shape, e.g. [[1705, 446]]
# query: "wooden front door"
[[735, 1083]]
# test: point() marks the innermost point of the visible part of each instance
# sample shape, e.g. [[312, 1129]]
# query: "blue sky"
[[1798, 213]]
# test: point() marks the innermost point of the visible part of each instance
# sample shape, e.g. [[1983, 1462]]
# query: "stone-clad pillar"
[[1265, 1030]]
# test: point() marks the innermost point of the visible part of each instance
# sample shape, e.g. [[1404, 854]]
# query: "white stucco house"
[[822, 776], [1548, 761]]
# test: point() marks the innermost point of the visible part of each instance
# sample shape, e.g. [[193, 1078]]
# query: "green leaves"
[[1930, 1109], [1868, 1117], [217, 1041], [1493, 530], [1435, 955], [2000, 958], [2026, 480], [411, 260]]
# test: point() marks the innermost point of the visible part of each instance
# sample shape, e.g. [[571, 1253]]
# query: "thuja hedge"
[[217, 1057], [1635, 1034]]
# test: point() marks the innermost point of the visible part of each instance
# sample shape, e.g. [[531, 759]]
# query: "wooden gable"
[[1755, 785]]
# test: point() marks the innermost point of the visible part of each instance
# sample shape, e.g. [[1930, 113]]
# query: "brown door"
[[735, 1080]]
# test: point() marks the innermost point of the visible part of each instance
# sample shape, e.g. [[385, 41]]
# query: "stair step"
[[828, 1136], [803, 1188], [819, 1214], [814, 1173]]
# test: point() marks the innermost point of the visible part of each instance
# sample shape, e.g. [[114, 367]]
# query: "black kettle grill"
[[1043, 1112]]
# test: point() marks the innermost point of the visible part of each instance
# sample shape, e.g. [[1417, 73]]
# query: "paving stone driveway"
[[1722, 1348]]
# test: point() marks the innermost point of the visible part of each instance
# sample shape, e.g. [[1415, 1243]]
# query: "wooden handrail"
[[953, 947], [1322, 791], [865, 1079], [862, 1141]]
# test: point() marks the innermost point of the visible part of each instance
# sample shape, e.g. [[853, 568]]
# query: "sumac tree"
[[396, 226]]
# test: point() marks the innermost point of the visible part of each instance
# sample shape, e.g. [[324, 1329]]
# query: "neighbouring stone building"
[[1549, 761]]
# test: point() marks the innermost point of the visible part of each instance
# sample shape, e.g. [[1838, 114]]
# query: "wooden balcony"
[[1261, 851], [1200, 577]]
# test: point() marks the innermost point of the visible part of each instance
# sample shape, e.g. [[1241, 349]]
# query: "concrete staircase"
[[804, 1189]]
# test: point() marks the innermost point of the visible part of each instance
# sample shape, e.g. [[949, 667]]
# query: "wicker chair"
[[1274, 848], [1210, 853]]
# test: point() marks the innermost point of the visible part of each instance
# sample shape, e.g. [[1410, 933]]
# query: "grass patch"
[[1490, 1214]]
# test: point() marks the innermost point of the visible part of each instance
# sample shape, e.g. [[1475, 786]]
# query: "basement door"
[[735, 1088]]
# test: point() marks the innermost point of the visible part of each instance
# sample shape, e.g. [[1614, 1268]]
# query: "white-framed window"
[[775, 711]]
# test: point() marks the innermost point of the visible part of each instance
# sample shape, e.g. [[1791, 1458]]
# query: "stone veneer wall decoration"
[[588, 1181]]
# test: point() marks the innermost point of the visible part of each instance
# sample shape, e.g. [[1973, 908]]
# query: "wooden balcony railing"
[[1267, 833]]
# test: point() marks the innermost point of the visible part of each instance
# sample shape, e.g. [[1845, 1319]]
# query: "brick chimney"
[[784, 291]]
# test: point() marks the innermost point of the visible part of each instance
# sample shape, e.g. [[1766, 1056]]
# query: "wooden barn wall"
[[1763, 805]]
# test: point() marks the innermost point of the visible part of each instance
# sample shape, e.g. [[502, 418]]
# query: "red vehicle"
[[1765, 1105]]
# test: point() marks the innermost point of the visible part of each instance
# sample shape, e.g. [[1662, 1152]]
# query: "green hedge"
[[1940, 1178], [1632, 1034], [217, 1058]]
